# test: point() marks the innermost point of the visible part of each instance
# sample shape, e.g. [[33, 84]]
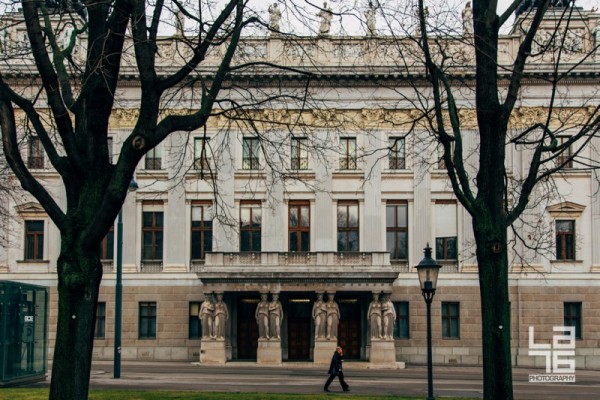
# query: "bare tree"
[[73, 58], [469, 86]]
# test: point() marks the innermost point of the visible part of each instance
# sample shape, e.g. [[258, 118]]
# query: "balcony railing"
[[400, 266], [196, 265], [450, 266], [356, 259], [108, 266], [151, 266]]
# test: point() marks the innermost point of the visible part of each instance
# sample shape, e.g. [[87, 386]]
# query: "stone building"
[[304, 253]]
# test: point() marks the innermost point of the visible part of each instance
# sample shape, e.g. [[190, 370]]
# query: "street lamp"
[[133, 186], [428, 270]]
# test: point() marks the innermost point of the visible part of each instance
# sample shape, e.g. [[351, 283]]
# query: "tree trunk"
[[79, 279], [492, 258]]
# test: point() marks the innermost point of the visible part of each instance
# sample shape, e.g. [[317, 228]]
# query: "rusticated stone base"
[[323, 351], [212, 351], [268, 352]]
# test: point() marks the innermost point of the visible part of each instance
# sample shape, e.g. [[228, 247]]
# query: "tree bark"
[[495, 311], [79, 277]]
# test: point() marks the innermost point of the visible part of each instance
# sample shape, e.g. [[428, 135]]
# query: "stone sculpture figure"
[[319, 314], [370, 20], [596, 37], [326, 15], [179, 22], [262, 317], [389, 317], [375, 316], [275, 317], [425, 16], [333, 317], [467, 19], [221, 316], [207, 317], [274, 17]]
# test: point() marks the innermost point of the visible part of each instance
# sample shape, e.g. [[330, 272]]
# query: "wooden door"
[[299, 319], [247, 329], [349, 330]]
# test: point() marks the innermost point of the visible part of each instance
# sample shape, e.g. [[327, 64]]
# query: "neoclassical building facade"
[[278, 243]]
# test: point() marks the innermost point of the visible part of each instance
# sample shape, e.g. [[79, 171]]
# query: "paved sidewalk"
[[305, 378]]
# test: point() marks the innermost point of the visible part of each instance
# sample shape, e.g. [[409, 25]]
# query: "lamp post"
[[428, 270], [133, 186]]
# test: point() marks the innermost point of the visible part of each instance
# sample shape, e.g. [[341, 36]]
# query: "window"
[[154, 158], [446, 228], [36, 154], [564, 158], [152, 234], [100, 329], [202, 154], [401, 329], [450, 320], [202, 216], [299, 153], [299, 226], [396, 156], [445, 248], [34, 240], [250, 227], [565, 239], [347, 232], [347, 153], [147, 320], [397, 231], [573, 317], [107, 246], [251, 153], [194, 326]]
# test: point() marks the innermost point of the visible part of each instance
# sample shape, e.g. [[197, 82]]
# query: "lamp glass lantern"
[[428, 270]]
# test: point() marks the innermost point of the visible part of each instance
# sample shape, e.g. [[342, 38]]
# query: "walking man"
[[335, 369]]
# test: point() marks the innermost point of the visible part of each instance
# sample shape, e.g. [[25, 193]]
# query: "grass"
[[42, 394]]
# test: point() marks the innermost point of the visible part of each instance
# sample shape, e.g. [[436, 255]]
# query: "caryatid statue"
[[275, 317], [388, 313], [262, 317], [319, 314], [207, 316], [375, 317], [333, 316], [221, 316]]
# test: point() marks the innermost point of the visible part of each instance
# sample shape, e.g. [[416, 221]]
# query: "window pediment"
[[566, 209], [30, 208]]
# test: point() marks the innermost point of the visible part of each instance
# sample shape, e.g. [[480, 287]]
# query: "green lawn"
[[42, 394]]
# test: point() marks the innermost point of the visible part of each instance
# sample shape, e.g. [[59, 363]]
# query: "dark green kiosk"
[[23, 333]]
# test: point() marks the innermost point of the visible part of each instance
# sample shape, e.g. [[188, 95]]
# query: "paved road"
[[296, 378]]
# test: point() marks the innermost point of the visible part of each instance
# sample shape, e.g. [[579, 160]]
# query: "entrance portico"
[[345, 283]]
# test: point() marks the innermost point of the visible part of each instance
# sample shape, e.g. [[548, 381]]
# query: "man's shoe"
[[347, 390], [326, 390]]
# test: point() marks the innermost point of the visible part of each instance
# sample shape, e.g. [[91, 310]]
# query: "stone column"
[[422, 200]]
